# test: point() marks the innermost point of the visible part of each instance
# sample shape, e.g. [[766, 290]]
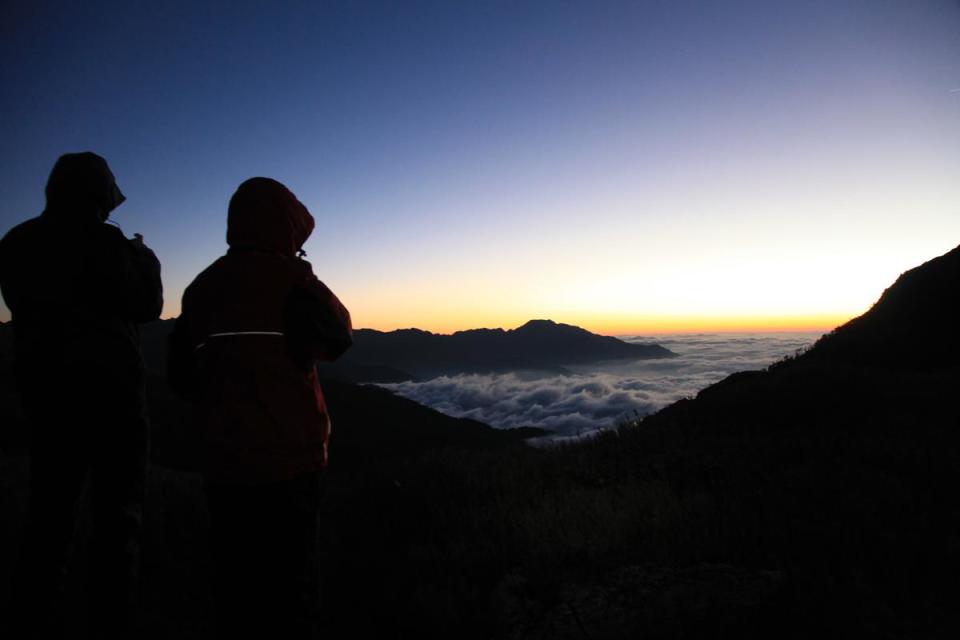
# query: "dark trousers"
[[83, 439], [265, 548]]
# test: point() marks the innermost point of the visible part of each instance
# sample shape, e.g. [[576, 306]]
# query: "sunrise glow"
[[631, 168]]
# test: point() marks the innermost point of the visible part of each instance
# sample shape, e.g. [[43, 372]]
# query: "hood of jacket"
[[82, 186], [266, 216]]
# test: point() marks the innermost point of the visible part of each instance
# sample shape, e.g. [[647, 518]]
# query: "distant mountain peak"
[[530, 324], [548, 326], [537, 344]]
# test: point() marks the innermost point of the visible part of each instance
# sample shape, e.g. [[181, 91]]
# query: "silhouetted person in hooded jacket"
[[77, 289], [252, 326]]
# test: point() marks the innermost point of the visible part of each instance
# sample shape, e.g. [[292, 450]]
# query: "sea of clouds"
[[588, 399]]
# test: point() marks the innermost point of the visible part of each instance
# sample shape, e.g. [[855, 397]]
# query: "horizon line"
[[814, 324], [649, 326]]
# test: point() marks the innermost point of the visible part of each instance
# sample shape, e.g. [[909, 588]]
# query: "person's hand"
[[137, 243]]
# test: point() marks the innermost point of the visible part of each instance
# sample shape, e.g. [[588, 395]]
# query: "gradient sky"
[[624, 166]]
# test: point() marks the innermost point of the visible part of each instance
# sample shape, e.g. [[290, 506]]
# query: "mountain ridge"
[[922, 303], [836, 466], [535, 345]]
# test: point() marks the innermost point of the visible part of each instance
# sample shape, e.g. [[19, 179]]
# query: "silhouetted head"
[[265, 215], [81, 184]]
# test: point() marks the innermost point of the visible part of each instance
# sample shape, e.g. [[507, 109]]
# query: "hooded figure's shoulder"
[[28, 236], [208, 274], [45, 230], [23, 230]]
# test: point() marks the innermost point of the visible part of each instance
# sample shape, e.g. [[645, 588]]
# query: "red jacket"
[[243, 349]]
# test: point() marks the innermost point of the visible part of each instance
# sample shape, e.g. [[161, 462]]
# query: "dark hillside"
[[914, 326], [837, 467]]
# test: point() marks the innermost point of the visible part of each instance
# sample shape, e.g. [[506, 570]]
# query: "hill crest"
[[535, 345]]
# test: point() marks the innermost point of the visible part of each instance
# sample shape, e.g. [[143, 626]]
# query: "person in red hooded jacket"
[[251, 327]]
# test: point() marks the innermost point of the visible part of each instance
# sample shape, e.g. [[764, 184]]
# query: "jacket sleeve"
[[125, 275], [316, 323]]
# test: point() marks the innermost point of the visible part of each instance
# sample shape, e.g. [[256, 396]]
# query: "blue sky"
[[628, 167]]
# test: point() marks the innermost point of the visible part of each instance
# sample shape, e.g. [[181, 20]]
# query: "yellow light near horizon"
[[693, 324], [613, 324], [615, 299], [678, 284]]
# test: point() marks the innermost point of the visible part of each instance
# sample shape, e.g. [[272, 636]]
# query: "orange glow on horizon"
[[603, 325], [644, 326]]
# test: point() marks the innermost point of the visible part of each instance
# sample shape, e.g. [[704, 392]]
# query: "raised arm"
[[123, 275], [142, 281], [316, 323]]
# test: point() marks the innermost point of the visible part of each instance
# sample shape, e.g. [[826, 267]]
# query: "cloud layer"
[[592, 398]]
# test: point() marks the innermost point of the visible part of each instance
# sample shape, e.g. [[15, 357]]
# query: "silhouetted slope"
[[837, 467], [359, 372], [897, 354], [914, 324], [538, 344], [373, 423]]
